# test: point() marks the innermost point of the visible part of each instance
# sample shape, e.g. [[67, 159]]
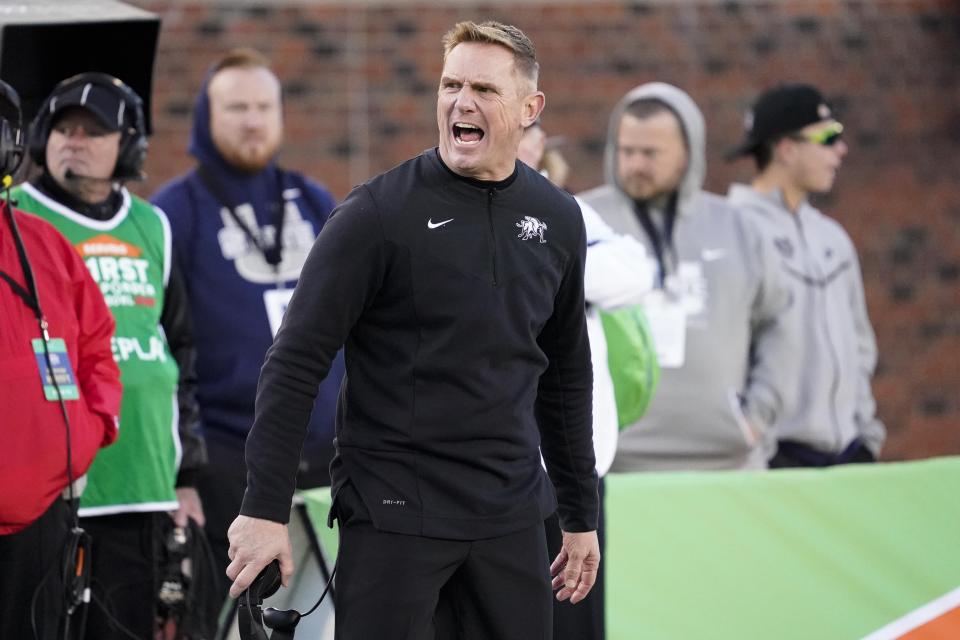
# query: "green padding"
[[793, 554], [318, 506], [786, 555], [632, 361]]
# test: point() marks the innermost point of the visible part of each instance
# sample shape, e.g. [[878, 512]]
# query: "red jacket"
[[33, 443]]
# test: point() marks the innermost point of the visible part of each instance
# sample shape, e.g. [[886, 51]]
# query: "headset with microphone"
[[133, 141], [71, 175], [251, 619]]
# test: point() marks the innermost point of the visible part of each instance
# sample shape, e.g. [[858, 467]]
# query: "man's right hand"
[[253, 544]]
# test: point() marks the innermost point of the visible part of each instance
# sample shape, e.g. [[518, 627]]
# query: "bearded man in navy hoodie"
[[242, 227]]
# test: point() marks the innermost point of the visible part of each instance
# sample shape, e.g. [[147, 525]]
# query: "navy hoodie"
[[228, 278]]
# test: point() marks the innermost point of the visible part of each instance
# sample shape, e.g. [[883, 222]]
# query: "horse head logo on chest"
[[531, 227]]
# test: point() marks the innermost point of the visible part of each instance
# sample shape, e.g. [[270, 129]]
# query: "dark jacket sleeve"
[[564, 401], [178, 328], [339, 279]]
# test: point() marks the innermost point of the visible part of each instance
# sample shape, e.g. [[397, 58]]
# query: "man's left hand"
[[575, 569], [190, 507]]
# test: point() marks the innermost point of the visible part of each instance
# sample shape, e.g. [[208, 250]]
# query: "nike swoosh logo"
[[433, 225], [709, 255]]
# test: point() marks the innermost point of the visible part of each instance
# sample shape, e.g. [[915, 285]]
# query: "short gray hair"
[[505, 35]]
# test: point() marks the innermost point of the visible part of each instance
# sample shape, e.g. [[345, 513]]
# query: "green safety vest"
[[129, 257]]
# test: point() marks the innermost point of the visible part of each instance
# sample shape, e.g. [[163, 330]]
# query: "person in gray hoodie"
[[797, 145], [718, 310]]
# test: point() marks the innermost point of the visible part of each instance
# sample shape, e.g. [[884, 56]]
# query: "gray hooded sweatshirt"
[[715, 409], [833, 403]]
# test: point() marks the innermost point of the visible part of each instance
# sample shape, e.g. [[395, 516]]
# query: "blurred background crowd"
[[359, 77]]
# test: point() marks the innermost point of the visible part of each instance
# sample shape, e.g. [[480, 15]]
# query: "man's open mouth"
[[467, 133]]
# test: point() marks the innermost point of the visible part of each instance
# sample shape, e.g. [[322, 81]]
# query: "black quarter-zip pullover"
[[460, 305]]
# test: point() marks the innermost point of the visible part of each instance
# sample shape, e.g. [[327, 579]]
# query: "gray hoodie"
[[733, 375], [834, 403]]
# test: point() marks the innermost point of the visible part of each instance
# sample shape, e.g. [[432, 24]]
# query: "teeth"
[[461, 127]]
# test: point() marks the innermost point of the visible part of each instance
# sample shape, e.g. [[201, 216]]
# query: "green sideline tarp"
[[786, 555], [792, 554]]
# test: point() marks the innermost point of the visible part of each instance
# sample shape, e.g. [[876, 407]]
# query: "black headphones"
[[11, 133], [251, 619], [133, 140]]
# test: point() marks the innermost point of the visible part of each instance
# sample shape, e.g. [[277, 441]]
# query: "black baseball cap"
[[779, 111], [103, 101]]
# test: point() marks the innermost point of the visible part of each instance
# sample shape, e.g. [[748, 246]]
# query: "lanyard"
[[272, 254], [662, 243], [20, 291], [30, 297]]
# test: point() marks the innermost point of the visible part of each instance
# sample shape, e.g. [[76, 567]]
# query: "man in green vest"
[[89, 138]]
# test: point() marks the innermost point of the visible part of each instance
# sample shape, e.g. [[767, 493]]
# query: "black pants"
[[31, 564], [221, 485], [406, 587], [791, 453], [125, 559], [584, 620]]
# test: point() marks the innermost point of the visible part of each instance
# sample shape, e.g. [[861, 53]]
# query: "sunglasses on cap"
[[826, 137]]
